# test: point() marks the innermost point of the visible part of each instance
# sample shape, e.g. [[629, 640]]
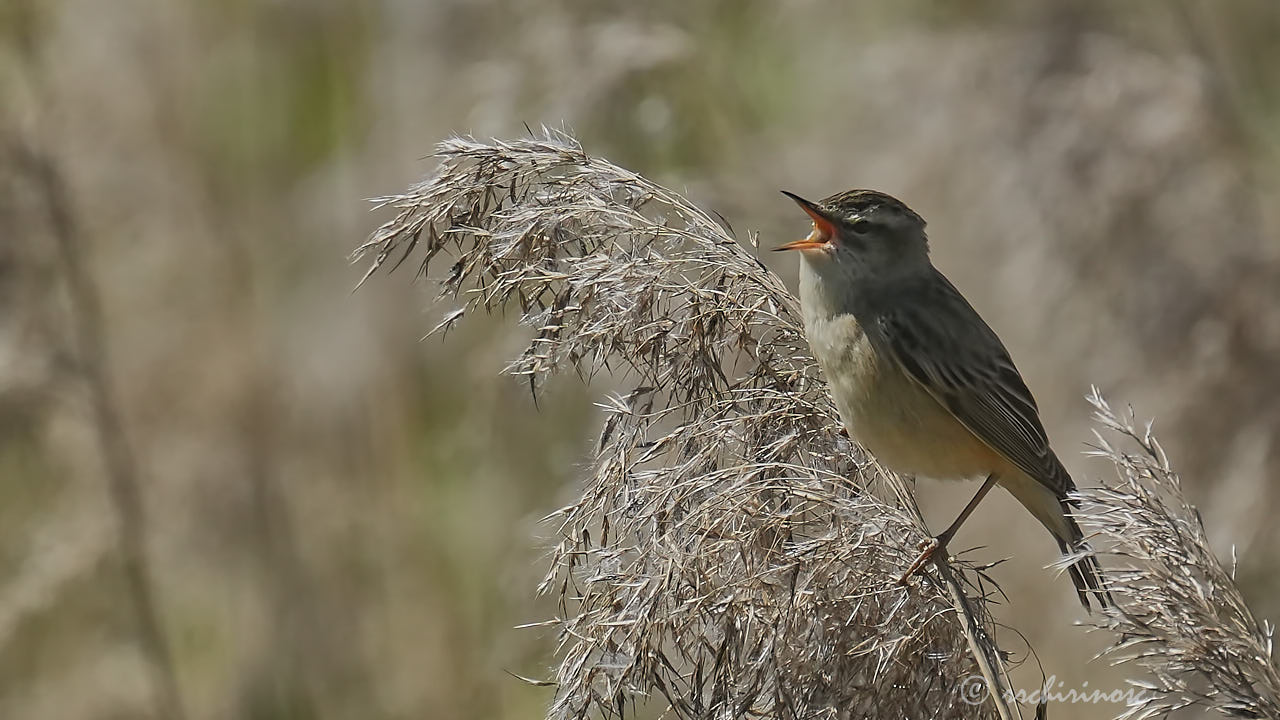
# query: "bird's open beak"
[[823, 228]]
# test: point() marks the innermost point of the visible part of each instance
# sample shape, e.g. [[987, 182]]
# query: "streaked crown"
[[852, 204]]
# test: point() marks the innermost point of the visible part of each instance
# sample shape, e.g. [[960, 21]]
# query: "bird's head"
[[862, 235]]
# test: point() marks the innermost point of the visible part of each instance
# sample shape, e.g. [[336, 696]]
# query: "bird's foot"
[[927, 549]]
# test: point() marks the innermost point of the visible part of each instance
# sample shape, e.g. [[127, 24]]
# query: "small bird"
[[919, 379]]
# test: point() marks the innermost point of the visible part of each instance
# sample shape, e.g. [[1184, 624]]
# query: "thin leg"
[[967, 511], [940, 542]]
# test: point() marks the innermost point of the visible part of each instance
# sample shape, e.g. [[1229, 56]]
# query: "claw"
[[927, 549]]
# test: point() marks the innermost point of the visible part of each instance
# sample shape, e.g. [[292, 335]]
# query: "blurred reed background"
[[340, 521]]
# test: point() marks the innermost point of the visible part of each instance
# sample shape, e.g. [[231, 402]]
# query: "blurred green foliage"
[[281, 89]]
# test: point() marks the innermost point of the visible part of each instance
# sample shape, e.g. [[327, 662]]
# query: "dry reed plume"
[[1180, 615], [730, 551]]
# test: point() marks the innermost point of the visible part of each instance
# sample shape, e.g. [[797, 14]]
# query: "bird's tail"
[[1054, 512], [1080, 562]]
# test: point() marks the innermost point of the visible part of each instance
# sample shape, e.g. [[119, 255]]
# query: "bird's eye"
[[862, 227]]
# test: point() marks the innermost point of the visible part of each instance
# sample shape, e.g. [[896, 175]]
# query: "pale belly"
[[893, 417]]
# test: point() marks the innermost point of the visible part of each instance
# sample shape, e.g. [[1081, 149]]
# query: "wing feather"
[[960, 361]]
